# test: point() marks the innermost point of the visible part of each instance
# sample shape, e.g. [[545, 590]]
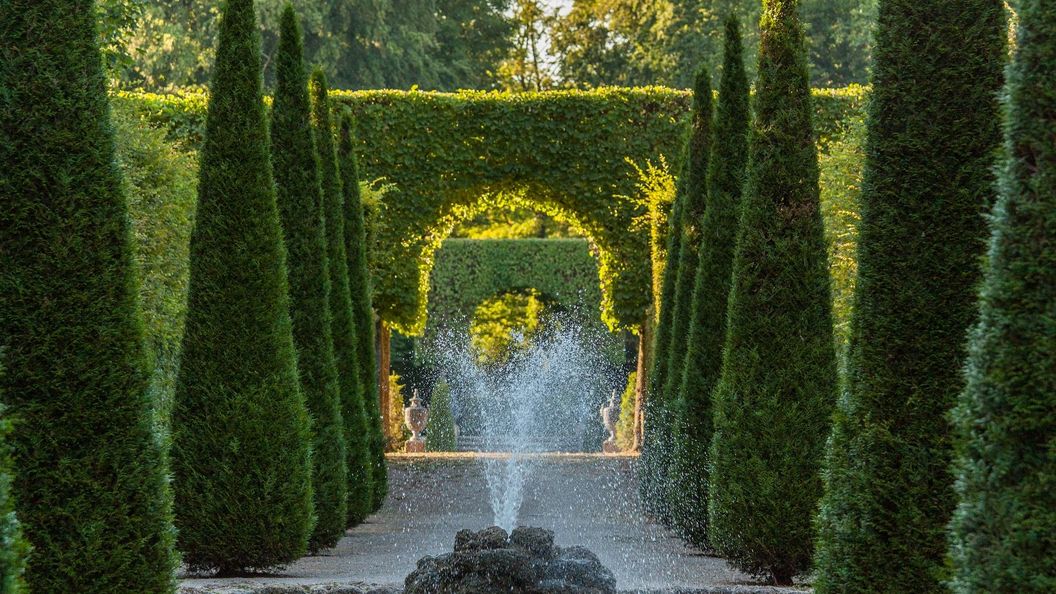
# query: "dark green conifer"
[[1004, 529], [778, 384], [13, 546], [241, 431], [440, 434], [707, 325], [357, 442], [362, 307], [675, 297], [301, 212], [933, 130], [89, 474]]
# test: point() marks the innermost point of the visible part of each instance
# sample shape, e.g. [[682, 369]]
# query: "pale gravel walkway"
[[585, 499]]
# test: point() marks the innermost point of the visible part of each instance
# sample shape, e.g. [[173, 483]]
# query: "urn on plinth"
[[610, 414], [415, 417]]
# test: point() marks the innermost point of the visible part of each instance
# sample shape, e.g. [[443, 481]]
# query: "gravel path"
[[585, 499]]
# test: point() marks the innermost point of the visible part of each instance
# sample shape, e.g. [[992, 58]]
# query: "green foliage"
[[688, 497], [13, 546], [161, 183], [440, 435], [889, 487], [301, 211], [625, 425], [396, 434], [839, 34], [89, 471], [504, 324], [512, 223], [241, 430], [1004, 529], [346, 346], [693, 196], [497, 162], [778, 382], [361, 290]]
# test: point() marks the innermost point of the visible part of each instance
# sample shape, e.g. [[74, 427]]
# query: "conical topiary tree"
[[241, 431], [669, 340], [707, 322], [13, 546], [89, 474], [357, 436], [362, 308], [695, 191], [299, 198], [440, 434], [1004, 529], [778, 383], [933, 128]]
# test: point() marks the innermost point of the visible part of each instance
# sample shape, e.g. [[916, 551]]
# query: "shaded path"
[[585, 499]]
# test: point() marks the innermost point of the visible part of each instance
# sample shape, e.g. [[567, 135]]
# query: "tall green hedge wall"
[[469, 271], [485, 148]]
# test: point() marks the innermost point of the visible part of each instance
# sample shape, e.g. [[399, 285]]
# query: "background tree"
[[929, 153], [357, 442], [707, 320], [241, 431], [301, 211], [778, 383], [362, 308], [440, 435], [1004, 529], [89, 472]]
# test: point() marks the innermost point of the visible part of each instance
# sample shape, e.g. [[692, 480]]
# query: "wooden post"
[[384, 397], [645, 339]]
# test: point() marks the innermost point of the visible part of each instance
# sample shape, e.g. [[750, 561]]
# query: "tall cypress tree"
[[362, 307], [1004, 529], [241, 431], [669, 340], [346, 347], [89, 473], [299, 198], [778, 384], [933, 127], [707, 322], [695, 190]]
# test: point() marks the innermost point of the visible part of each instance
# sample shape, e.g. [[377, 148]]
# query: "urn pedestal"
[[415, 417], [610, 414]]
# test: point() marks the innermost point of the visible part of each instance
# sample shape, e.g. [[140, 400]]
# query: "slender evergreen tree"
[[707, 322], [695, 191], [675, 299], [89, 476], [933, 129], [301, 212], [13, 546], [778, 384], [241, 430], [357, 436], [440, 434], [1004, 529], [362, 307]]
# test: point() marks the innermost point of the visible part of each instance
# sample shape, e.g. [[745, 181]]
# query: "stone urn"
[[415, 417], [610, 415]]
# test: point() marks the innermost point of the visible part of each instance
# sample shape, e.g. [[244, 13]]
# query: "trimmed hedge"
[[359, 282], [928, 182], [693, 185], [498, 148], [89, 471], [300, 201], [440, 435], [688, 498], [241, 431], [778, 384], [13, 546], [1003, 534], [346, 348]]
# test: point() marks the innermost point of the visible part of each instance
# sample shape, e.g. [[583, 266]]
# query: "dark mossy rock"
[[527, 561]]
